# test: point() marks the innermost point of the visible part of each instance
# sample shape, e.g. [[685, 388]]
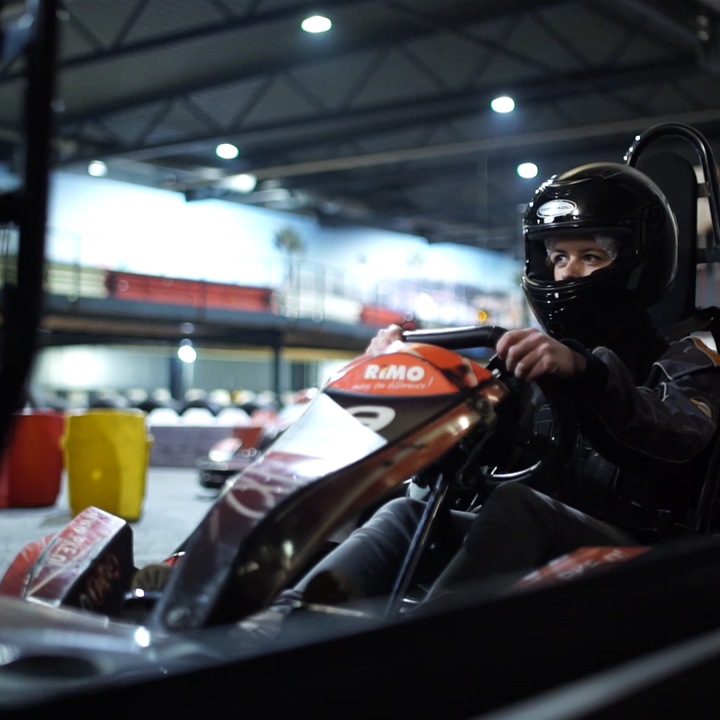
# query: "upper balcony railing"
[[296, 288]]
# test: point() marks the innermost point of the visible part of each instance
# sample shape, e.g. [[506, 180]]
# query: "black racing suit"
[[638, 462], [645, 444]]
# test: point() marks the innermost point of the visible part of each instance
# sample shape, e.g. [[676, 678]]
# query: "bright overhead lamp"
[[186, 352], [316, 24], [226, 151], [527, 170], [503, 104], [243, 183], [97, 168]]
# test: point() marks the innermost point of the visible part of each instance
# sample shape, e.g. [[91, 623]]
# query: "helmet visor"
[[559, 256]]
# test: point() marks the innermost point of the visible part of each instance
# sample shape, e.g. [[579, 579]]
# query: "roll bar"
[[709, 167]]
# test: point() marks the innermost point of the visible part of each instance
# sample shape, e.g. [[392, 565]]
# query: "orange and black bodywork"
[[377, 422]]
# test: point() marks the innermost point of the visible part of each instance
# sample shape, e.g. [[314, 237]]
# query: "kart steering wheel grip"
[[460, 338], [548, 452]]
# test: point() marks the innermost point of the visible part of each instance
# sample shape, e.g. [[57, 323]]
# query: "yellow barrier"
[[106, 454]]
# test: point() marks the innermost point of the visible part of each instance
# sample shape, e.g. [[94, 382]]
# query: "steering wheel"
[[543, 454]]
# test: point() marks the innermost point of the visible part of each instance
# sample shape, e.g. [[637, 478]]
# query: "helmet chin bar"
[[593, 310]]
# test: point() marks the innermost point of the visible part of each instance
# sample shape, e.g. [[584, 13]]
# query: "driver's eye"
[[558, 259]]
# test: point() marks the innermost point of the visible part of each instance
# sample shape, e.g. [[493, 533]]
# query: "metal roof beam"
[[251, 19], [665, 17], [370, 121], [350, 44], [238, 23], [493, 144]]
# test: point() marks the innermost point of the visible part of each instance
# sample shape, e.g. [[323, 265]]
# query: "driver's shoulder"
[[688, 356]]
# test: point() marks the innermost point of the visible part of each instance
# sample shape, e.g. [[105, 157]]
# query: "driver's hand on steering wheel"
[[386, 337], [528, 354]]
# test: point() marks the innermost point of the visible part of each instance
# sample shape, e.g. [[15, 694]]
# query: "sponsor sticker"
[[556, 208], [395, 374], [411, 373], [375, 417]]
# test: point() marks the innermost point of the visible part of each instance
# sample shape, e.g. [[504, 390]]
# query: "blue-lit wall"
[[116, 225]]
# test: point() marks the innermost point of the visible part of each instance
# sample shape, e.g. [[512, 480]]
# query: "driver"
[[601, 248]]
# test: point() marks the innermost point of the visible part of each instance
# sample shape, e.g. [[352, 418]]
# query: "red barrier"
[[222, 296], [237, 297], [196, 293], [150, 288], [382, 317], [31, 467]]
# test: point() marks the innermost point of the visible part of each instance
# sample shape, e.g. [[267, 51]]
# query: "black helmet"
[[599, 199]]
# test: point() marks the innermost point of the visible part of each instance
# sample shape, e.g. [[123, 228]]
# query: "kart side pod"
[[87, 565]]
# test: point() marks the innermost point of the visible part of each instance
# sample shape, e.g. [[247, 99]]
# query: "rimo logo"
[[414, 373]]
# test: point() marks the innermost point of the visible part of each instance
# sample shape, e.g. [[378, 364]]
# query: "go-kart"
[[72, 639], [78, 624], [233, 454], [418, 410]]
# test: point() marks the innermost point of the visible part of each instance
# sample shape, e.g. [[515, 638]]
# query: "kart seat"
[[676, 178], [664, 154]]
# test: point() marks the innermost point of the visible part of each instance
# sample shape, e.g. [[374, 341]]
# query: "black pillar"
[[277, 382], [176, 378]]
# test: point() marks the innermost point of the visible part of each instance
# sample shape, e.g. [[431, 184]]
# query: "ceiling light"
[[186, 352], [316, 24], [97, 168], [243, 183], [503, 104], [527, 170], [226, 151]]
